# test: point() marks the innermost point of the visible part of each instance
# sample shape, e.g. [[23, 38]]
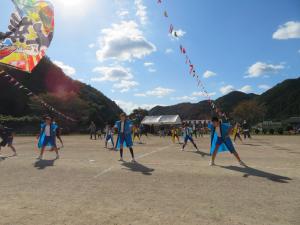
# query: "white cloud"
[[156, 92], [194, 96], [128, 106], [176, 34], [160, 92], [147, 64], [150, 67], [208, 74], [202, 94], [151, 70], [288, 30], [264, 86], [123, 42], [246, 89], [169, 51], [180, 33], [123, 13], [140, 95], [226, 89], [260, 68], [68, 70], [184, 98], [92, 45], [125, 85], [141, 11], [114, 73]]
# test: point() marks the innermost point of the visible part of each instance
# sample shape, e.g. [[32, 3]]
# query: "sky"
[[124, 49]]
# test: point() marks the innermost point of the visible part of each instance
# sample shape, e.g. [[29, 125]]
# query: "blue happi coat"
[[127, 132], [227, 143], [53, 128]]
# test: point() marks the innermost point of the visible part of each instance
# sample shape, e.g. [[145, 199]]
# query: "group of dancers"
[[127, 133], [220, 137]]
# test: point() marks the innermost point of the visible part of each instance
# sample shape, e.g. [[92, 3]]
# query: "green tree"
[[250, 111]]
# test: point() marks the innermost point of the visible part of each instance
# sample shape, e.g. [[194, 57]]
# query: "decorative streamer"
[[29, 93], [192, 70]]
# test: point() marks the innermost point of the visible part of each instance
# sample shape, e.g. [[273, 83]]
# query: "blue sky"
[[123, 48]]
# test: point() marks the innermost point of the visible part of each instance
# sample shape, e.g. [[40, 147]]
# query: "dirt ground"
[[89, 186]]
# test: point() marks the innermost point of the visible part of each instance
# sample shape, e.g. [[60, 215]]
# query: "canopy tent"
[[162, 120]]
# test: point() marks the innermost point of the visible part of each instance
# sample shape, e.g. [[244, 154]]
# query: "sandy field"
[[89, 186]]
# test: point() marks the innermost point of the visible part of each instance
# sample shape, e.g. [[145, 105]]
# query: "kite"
[[29, 34]]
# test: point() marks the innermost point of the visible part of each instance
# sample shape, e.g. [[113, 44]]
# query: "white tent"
[[162, 120]]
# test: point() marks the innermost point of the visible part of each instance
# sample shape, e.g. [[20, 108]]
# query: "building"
[[163, 120]]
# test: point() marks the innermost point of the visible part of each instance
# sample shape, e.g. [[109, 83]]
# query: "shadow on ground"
[[43, 164], [250, 144], [137, 167], [2, 158], [248, 171], [201, 153]]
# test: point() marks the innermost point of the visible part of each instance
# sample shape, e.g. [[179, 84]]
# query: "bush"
[[256, 131], [272, 131], [264, 131]]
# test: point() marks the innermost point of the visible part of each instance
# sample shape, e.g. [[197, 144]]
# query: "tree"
[[138, 114], [250, 111]]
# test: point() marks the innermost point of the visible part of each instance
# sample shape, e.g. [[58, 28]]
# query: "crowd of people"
[[127, 133]]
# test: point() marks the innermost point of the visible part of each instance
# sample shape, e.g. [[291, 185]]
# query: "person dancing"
[[220, 140], [187, 133], [124, 128]]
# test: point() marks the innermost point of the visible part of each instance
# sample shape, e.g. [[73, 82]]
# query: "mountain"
[[231, 100], [73, 98], [280, 102], [283, 100], [185, 110], [202, 109]]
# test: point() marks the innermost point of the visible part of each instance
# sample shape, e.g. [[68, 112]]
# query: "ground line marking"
[[139, 157]]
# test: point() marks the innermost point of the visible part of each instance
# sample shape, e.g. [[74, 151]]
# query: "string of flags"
[[192, 68], [11, 80]]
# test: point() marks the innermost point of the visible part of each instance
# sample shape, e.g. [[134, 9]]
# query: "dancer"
[[92, 128], [58, 133], [174, 133], [47, 137], [246, 130], [7, 137], [143, 131], [236, 132], [124, 127], [187, 134], [136, 133], [201, 129], [220, 140], [109, 136], [99, 134], [194, 130]]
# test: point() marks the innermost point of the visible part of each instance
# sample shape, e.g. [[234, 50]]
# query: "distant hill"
[[231, 100], [281, 102], [73, 98], [185, 110]]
